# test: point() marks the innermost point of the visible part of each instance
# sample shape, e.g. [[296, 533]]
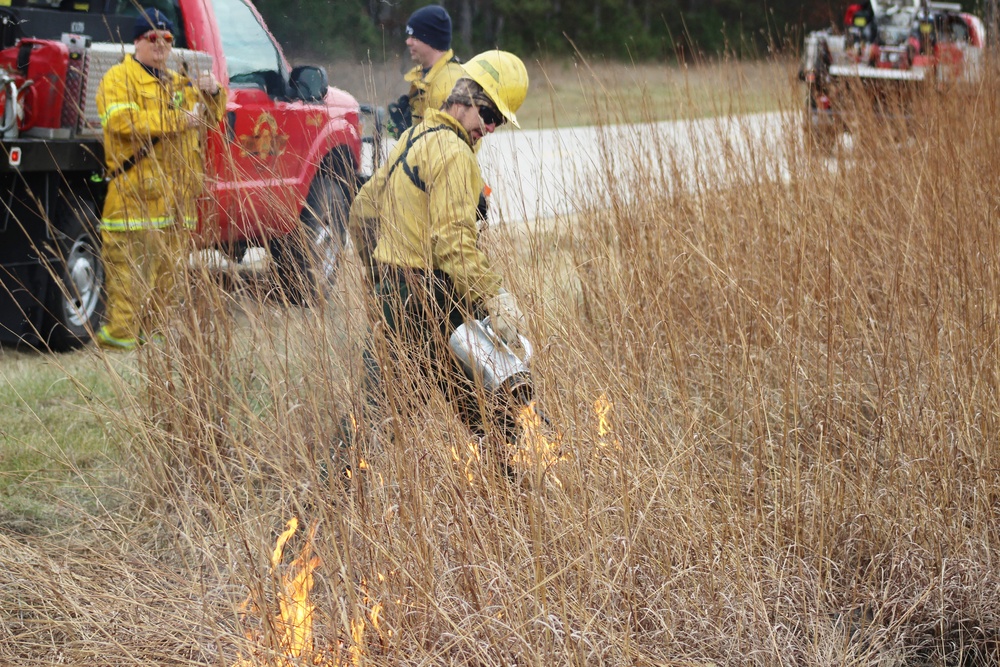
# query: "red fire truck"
[[281, 168], [886, 52]]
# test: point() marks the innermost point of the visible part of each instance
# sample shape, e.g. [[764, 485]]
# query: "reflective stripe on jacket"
[[135, 109], [433, 228], [430, 90]]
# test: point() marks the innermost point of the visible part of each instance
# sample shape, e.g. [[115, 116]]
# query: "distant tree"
[[340, 27], [637, 29]]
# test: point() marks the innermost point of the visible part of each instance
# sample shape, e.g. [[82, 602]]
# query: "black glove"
[[483, 208], [400, 116]]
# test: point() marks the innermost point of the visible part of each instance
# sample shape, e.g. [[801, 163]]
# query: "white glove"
[[506, 318], [207, 83]]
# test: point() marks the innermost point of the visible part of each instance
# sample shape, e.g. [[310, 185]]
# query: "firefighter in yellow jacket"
[[154, 122], [428, 39], [414, 225]]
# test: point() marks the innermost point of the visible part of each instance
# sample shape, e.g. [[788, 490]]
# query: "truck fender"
[[337, 150]]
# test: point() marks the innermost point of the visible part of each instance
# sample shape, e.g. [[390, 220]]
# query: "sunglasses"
[[153, 37], [490, 115]]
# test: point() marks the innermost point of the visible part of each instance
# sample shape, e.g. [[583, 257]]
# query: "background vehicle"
[[280, 172], [887, 52]]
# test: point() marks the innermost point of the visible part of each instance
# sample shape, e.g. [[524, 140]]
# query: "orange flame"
[[357, 636], [471, 458], [292, 642], [603, 407], [534, 447], [293, 621]]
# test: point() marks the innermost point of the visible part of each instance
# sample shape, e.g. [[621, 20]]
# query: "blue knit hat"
[[432, 26], [150, 19]]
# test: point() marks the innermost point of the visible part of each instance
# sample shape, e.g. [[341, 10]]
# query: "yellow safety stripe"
[[146, 223], [105, 338], [115, 108]]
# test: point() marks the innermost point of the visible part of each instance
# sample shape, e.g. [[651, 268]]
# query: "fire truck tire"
[[306, 262], [75, 302]]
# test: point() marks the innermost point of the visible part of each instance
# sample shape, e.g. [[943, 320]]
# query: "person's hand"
[[506, 318], [207, 83], [194, 117]]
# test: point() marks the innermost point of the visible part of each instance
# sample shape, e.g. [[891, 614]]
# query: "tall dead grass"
[[799, 465]]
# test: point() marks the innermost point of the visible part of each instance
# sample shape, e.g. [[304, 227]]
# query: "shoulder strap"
[[132, 161], [412, 172]]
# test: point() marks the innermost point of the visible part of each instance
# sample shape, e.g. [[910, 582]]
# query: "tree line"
[[615, 29]]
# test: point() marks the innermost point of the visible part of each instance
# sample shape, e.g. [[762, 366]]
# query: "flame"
[[292, 623], [534, 447], [295, 619], [362, 465], [603, 407], [375, 613], [355, 435], [292, 642], [471, 459], [538, 448], [357, 635]]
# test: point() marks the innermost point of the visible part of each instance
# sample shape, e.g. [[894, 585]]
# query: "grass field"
[[568, 93], [53, 438], [774, 415]]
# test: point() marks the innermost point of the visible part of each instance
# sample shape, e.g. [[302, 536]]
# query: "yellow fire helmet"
[[504, 78]]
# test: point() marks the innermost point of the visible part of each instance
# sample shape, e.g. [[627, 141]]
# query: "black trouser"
[[419, 312]]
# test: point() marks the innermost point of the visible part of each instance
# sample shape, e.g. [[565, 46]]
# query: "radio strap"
[[127, 165]]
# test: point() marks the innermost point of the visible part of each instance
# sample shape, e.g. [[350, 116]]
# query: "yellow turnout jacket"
[[140, 112], [432, 227], [429, 91]]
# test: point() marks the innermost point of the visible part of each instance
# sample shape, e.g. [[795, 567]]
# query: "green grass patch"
[[54, 444]]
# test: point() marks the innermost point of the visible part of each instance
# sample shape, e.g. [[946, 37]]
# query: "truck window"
[[959, 30], [252, 58]]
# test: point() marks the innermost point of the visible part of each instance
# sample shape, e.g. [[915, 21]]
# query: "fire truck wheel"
[[75, 297], [306, 262]]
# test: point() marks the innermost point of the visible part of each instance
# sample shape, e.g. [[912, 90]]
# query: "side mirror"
[[309, 83]]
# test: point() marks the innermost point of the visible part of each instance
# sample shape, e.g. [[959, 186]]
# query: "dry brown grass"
[[573, 92], [801, 466]]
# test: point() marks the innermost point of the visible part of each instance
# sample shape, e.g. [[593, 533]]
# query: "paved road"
[[541, 173], [537, 174]]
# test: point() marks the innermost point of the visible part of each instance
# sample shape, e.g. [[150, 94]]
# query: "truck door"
[[259, 174]]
